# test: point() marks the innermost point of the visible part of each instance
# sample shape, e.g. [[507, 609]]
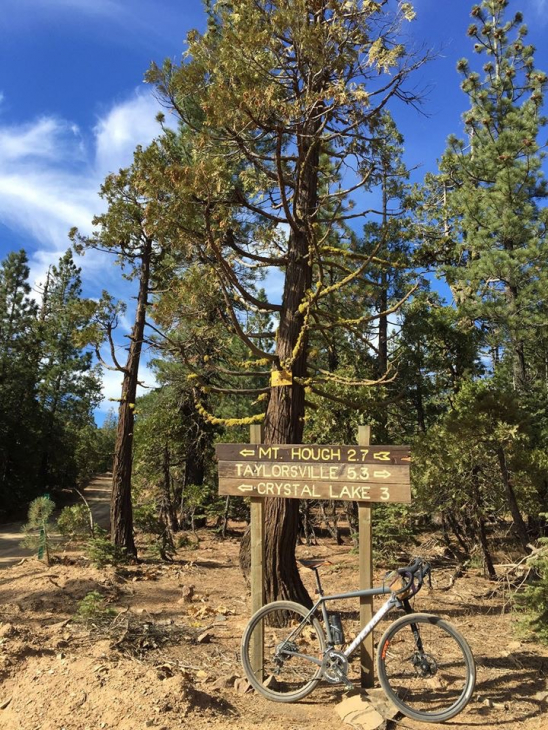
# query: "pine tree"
[[68, 387], [19, 357], [127, 231], [496, 229], [279, 101]]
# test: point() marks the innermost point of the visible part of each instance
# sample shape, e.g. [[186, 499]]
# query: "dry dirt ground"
[[149, 665]]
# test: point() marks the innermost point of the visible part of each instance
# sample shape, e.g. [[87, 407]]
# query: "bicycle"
[[424, 664]]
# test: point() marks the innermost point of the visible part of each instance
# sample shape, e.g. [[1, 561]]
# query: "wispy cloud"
[[122, 21], [50, 174], [121, 129], [45, 138]]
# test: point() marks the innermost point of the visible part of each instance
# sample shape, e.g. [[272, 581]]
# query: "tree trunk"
[[482, 534], [121, 509], [168, 511], [519, 524], [284, 421]]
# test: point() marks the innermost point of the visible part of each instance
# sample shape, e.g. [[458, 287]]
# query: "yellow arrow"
[[382, 455], [381, 474], [246, 487], [247, 452]]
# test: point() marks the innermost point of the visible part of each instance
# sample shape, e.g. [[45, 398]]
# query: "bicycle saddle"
[[313, 564]]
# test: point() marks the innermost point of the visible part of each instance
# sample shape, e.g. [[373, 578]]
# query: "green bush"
[[74, 522], [532, 601], [93, 609], [146, 518], [101, 551]]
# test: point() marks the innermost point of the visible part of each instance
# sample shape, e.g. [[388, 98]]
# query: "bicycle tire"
[[418, 685], [284, 678]]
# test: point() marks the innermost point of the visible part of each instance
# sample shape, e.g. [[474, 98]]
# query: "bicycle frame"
[[392, 602]]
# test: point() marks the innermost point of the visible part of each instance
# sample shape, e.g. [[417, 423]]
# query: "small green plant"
[[101, 551], [93, 609], [532, 601], [38, 528], [74, 522]]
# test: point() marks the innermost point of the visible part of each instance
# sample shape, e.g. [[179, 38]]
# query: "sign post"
[[257, 565], [365, 548]]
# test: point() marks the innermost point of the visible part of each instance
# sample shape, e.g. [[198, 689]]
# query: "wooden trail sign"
[[375, 474]]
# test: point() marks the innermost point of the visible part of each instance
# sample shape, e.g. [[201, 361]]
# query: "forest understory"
[[159, 646]]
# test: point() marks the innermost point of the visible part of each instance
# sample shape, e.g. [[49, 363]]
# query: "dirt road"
[[97, 494]]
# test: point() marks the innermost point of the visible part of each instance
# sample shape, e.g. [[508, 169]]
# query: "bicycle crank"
[[335, 668]]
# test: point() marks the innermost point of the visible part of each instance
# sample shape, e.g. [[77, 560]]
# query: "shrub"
[[101, 551], [93, 609], [74, 522], [532, 602], [38, 528]]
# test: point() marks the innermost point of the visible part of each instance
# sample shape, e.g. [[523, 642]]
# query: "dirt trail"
[[97, 494]]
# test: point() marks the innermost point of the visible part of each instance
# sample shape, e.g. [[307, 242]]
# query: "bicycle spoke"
[[431, 682], [293, 648]]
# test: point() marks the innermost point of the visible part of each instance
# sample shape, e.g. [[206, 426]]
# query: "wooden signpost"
[[361, 473]]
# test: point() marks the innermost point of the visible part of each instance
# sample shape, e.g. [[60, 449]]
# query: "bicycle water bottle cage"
[[336, 628]]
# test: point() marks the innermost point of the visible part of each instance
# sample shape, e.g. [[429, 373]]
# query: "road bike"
[[424, 664]]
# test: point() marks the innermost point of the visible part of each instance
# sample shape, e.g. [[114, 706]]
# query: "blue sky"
[[73, 107]]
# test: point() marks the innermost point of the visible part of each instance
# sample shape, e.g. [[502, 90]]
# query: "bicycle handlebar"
[[419, 566]]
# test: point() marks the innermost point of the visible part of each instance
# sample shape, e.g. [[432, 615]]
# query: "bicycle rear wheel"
[[426, 667], [293, 651]]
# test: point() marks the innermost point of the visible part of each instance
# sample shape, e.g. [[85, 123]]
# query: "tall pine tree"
[[496, 245]]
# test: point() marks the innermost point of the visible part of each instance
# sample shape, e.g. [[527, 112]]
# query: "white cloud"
[[50, 174], [112, 385], [539, 9], [49, 178], [45, 138], [125, 126]]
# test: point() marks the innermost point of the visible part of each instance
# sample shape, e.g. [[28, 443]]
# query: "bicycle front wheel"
[[426, 667], [293, 650]]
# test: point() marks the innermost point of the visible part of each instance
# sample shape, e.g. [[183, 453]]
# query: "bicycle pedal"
[[347, 683]]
